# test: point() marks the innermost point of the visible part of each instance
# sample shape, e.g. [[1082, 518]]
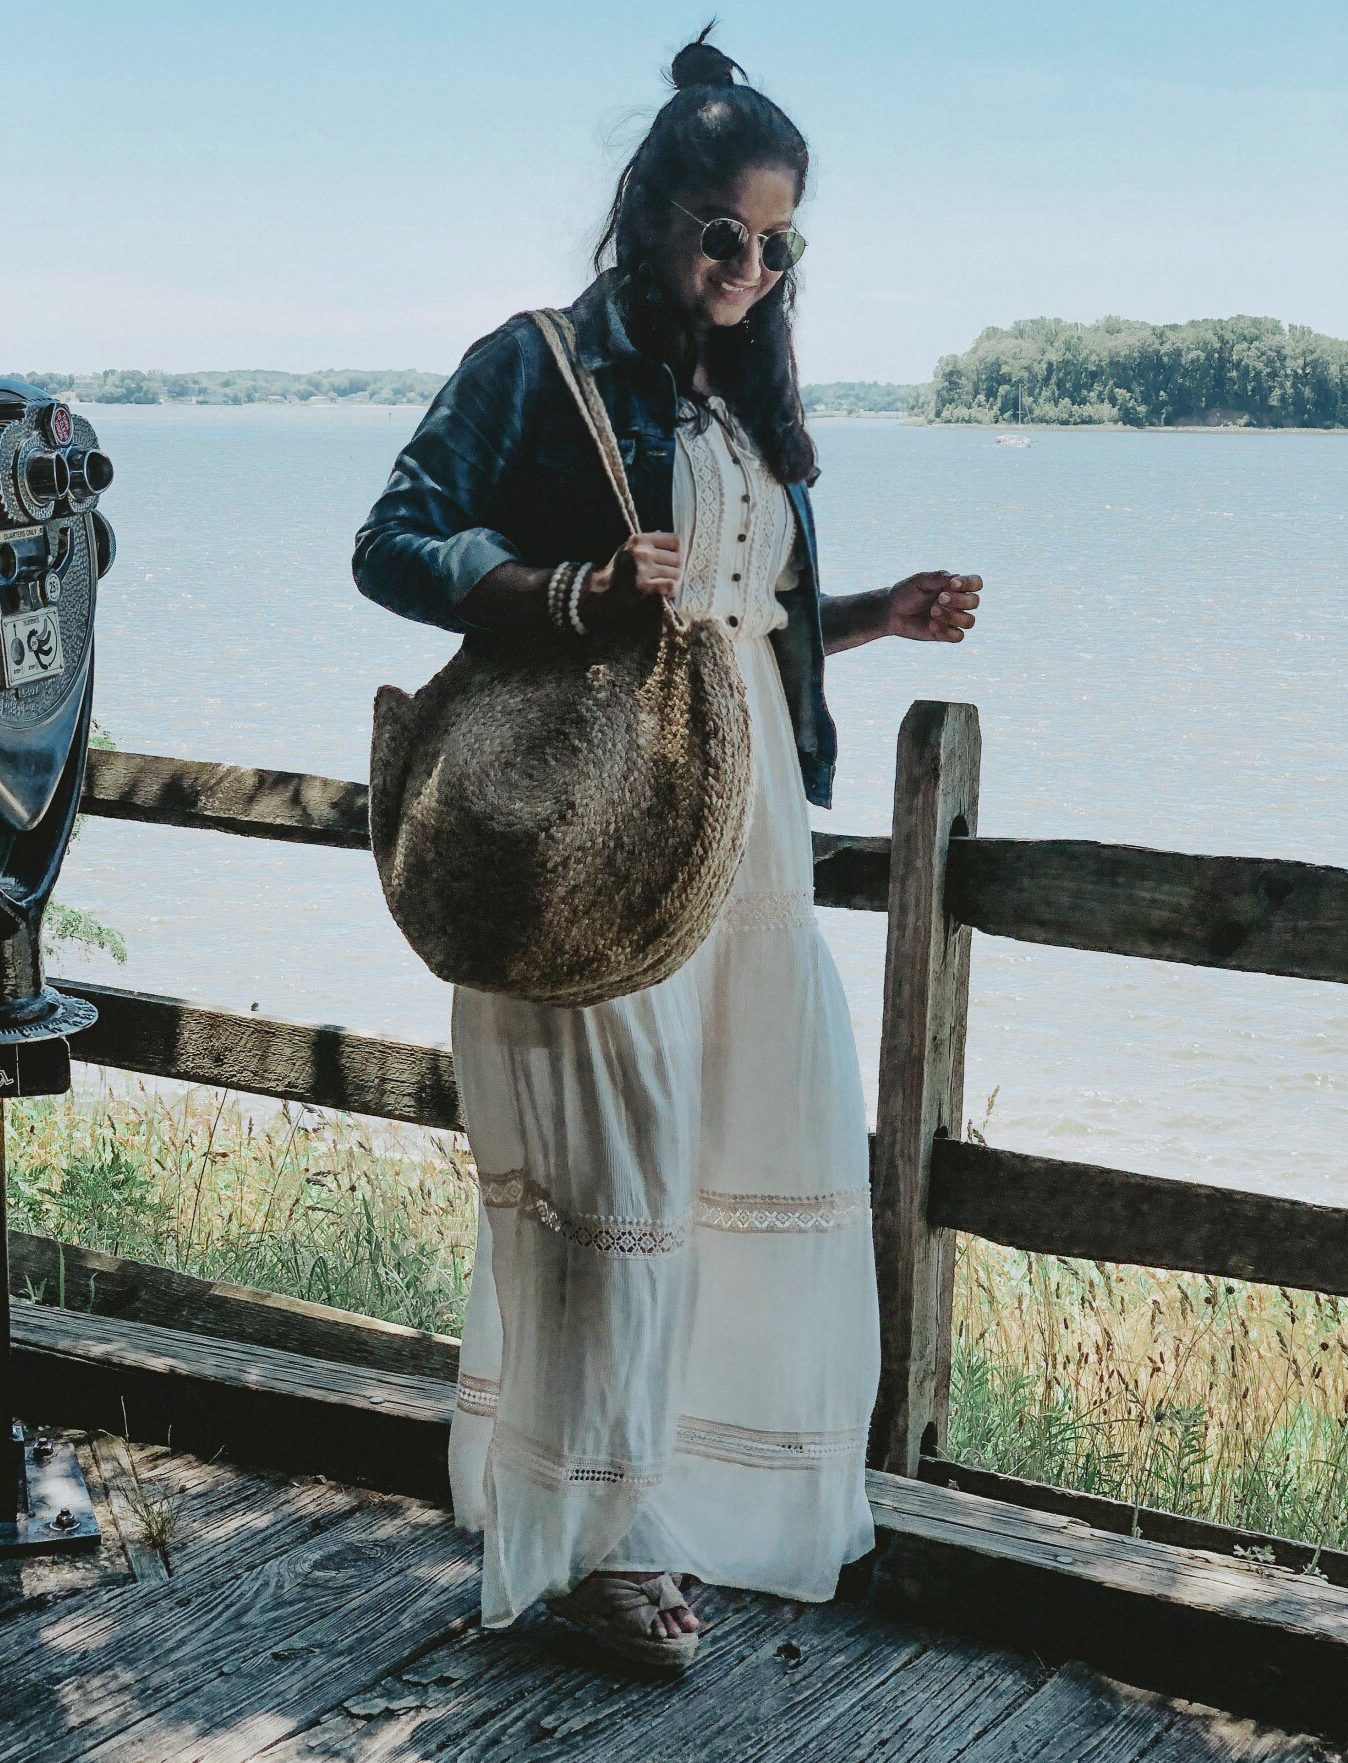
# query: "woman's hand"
[[933, 606], [646, 564]]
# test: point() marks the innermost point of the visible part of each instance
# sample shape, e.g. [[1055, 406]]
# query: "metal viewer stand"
[[54, 546]]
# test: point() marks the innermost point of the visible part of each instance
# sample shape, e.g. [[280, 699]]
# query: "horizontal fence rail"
[[1255, 915], [293, 806], [1245, 914], [317, 1063], [1052, 1207]]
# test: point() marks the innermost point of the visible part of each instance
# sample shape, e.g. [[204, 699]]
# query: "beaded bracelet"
[[556, 586], [573, 600]]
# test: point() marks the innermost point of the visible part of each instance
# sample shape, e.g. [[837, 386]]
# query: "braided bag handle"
[[561, 340]]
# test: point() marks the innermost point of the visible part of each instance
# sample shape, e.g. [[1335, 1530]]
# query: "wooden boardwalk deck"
[[296, 1619]]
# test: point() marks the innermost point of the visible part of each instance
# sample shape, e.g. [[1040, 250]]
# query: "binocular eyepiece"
[[70, 477]]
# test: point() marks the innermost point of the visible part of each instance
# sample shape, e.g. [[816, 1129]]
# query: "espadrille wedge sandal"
[[617, 1613]]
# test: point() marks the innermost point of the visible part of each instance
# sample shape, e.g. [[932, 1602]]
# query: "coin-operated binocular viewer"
[[54, 546]]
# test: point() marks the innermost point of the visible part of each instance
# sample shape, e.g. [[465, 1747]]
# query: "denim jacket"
[[502, 468]]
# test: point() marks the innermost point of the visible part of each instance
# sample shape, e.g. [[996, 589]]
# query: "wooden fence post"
[[921, 1096]]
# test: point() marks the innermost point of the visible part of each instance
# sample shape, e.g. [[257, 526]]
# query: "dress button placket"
[[746, 499]]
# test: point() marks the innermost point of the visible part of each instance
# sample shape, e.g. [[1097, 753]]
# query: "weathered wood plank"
[[1078, 1717], [539, 1689], [318, 1063], [253, 1404], [301, 808], [1208, 1735], [127, 1505], [219, 1669], [224, 1512], [1082, 1209], [921, 1089], [1259, 1641], [891, 1700], [1120, 1517], [291, 805], [225, 1517], [109, 1285], [1261, 915], [1247, 914], [851, 870]]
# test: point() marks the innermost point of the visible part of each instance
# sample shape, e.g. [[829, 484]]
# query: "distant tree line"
[[246, 386], [260, 386], [1251, 371]]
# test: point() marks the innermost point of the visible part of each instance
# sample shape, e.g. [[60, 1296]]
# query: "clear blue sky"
[[303, 185]]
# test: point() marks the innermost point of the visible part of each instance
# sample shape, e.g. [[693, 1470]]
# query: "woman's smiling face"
[[763, 199]]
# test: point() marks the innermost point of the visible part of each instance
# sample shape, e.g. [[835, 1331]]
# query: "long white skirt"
[[671, 1347]]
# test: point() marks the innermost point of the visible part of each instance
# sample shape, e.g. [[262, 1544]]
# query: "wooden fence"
[[1247, 914]]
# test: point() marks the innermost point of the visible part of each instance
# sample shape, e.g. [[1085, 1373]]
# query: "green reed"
[[321, 1206], [1204, 1396]]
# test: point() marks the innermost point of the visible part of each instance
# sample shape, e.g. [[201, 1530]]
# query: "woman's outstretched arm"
[[931, 607]]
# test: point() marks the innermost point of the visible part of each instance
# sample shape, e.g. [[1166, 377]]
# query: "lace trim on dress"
[[783, 909], [589, 1230], [766, 1450], [557, 1469], [712, 1210], [501, 1190], [695, 1437], [698, 588], [477, 1395], [776, 1212]]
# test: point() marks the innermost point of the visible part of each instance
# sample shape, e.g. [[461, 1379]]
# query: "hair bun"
[[700, 63]]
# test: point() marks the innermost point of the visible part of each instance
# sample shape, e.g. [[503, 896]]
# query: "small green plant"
[[67, 925], [321, 1206], [1203, 1396]]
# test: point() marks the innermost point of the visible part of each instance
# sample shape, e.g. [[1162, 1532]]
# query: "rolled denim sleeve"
[[433, 533]]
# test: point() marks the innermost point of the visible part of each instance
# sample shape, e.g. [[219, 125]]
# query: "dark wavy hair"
[[711, 130]]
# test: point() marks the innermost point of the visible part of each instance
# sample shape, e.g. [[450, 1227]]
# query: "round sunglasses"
[[723, 239]]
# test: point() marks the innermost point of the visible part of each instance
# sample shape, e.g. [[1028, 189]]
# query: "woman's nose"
[[749, 263]]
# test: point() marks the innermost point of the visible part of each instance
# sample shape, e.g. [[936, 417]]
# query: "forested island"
[[1254, 372], [1249, 372]]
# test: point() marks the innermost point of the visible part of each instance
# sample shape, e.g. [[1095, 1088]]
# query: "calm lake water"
[[1160, 661]]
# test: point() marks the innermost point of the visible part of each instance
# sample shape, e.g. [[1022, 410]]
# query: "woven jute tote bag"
[[560, 818]]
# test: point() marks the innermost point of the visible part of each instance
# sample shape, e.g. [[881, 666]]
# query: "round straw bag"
[[561, 818]]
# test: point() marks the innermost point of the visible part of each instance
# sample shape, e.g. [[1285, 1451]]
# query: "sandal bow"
[[664, 1594], [617, 1612]]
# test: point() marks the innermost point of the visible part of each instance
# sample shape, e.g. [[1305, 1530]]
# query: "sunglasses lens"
[[781, 250], [722, 240]]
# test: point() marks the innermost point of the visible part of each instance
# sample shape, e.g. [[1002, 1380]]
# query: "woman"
[[671, 1347]]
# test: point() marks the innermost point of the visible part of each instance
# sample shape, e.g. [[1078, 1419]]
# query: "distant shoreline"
[[1073, 428], [888, 416]]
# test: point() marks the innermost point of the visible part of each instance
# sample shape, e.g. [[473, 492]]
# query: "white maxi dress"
[[671, 1346]]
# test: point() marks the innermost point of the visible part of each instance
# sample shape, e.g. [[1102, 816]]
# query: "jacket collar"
[[601, 336]]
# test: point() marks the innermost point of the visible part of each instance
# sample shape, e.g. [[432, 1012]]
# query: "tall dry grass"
[[322, 1206], [1199, 1395], [1204, 1396]]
